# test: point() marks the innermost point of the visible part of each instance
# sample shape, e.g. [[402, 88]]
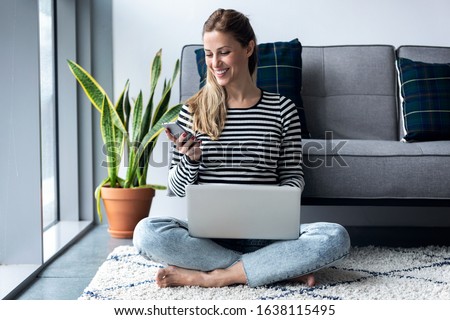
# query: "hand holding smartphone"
[[187, 145], [176, 130]]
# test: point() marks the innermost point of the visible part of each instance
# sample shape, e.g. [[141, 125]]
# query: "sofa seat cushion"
[[374, 169]]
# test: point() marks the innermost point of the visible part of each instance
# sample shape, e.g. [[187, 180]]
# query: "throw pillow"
[[425, 90], [279, 71], [201, 66]]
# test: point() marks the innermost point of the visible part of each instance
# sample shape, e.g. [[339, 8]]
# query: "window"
[[47, 137], [21, 221], [48, 116]]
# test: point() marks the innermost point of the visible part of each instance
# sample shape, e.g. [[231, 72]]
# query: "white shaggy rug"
[[368, 273]]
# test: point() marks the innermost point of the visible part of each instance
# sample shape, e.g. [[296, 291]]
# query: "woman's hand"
[[191, 147]]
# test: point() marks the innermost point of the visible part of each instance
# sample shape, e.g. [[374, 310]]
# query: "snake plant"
[[129, 130]]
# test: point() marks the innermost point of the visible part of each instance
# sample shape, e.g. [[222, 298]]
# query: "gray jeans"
[[167, 241]]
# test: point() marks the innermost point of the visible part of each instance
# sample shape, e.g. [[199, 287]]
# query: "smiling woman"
[[231, 110]]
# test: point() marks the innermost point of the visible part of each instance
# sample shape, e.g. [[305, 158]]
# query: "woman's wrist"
[[191, 161]]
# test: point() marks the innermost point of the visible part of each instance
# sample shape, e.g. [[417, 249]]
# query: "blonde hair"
[[208, 106]]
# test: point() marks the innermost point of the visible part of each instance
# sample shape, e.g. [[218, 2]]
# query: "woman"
[[241, 134]]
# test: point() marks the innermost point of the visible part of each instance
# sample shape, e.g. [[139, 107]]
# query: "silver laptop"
[[243, 211]]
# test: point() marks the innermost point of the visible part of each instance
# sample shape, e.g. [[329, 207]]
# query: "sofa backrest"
[[189, 77], [351, 91], [425, 54]]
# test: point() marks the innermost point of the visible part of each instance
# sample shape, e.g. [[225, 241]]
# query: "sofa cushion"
[[201, 66], [373, 169], [429, 54], [350, 91], [425, 91], [279, 70]]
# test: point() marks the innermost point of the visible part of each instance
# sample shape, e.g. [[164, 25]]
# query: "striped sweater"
[[258, 145]]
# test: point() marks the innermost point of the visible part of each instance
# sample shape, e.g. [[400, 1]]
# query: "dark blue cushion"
[[425, 90], [279, 71]]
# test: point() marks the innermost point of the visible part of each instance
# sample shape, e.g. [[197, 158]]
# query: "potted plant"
[[129, 132]]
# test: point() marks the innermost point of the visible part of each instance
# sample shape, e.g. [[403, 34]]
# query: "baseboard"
[[399, 236], [381, 202]]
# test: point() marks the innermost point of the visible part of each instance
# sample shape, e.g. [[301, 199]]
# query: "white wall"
[[141, 27]]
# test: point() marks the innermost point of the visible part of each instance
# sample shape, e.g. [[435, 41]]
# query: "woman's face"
[[226, 58]]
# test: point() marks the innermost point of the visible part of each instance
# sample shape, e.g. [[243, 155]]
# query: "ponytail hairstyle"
[[208, 106]]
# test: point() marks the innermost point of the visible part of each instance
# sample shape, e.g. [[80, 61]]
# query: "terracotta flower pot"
[[125, 208]]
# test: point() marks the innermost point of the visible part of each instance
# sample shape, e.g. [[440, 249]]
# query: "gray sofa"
[[352, 108]]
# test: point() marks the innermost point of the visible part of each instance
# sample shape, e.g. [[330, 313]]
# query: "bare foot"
[[175, 277], [307, 279]]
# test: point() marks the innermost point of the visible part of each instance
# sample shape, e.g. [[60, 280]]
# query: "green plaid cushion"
[[425, 89], [279, 71]]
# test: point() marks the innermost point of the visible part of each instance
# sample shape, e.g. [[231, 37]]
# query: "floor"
[[60, 280], [66, 277]]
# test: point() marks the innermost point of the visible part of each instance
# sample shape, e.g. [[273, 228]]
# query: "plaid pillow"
[[279, 71], [425, 90]]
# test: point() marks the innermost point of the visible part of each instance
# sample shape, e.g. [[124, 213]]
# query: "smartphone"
[[176, 130]]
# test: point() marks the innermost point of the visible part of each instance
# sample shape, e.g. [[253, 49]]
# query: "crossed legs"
[[203, 262]]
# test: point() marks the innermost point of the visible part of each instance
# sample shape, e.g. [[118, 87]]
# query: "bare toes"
[[311, 280], [161, 276], [307, 279]]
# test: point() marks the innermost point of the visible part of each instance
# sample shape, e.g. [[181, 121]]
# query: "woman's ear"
[[250, 48]]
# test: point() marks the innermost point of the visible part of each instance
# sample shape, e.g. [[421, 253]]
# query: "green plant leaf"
[[176, 70], [120, 110], [162, 106], [93, 90], [131, 171], [134, 142], [170, 116], [109, 139], [116, 120], [155, 71], [163, 103], [120, 105], [144, 162], [137, 119], [147, 117], [127, 110], [97, 194]]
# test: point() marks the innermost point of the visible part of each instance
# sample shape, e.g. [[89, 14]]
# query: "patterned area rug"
[[368, 273]]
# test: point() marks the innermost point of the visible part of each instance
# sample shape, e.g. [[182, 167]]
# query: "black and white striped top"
[[258, 145]]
